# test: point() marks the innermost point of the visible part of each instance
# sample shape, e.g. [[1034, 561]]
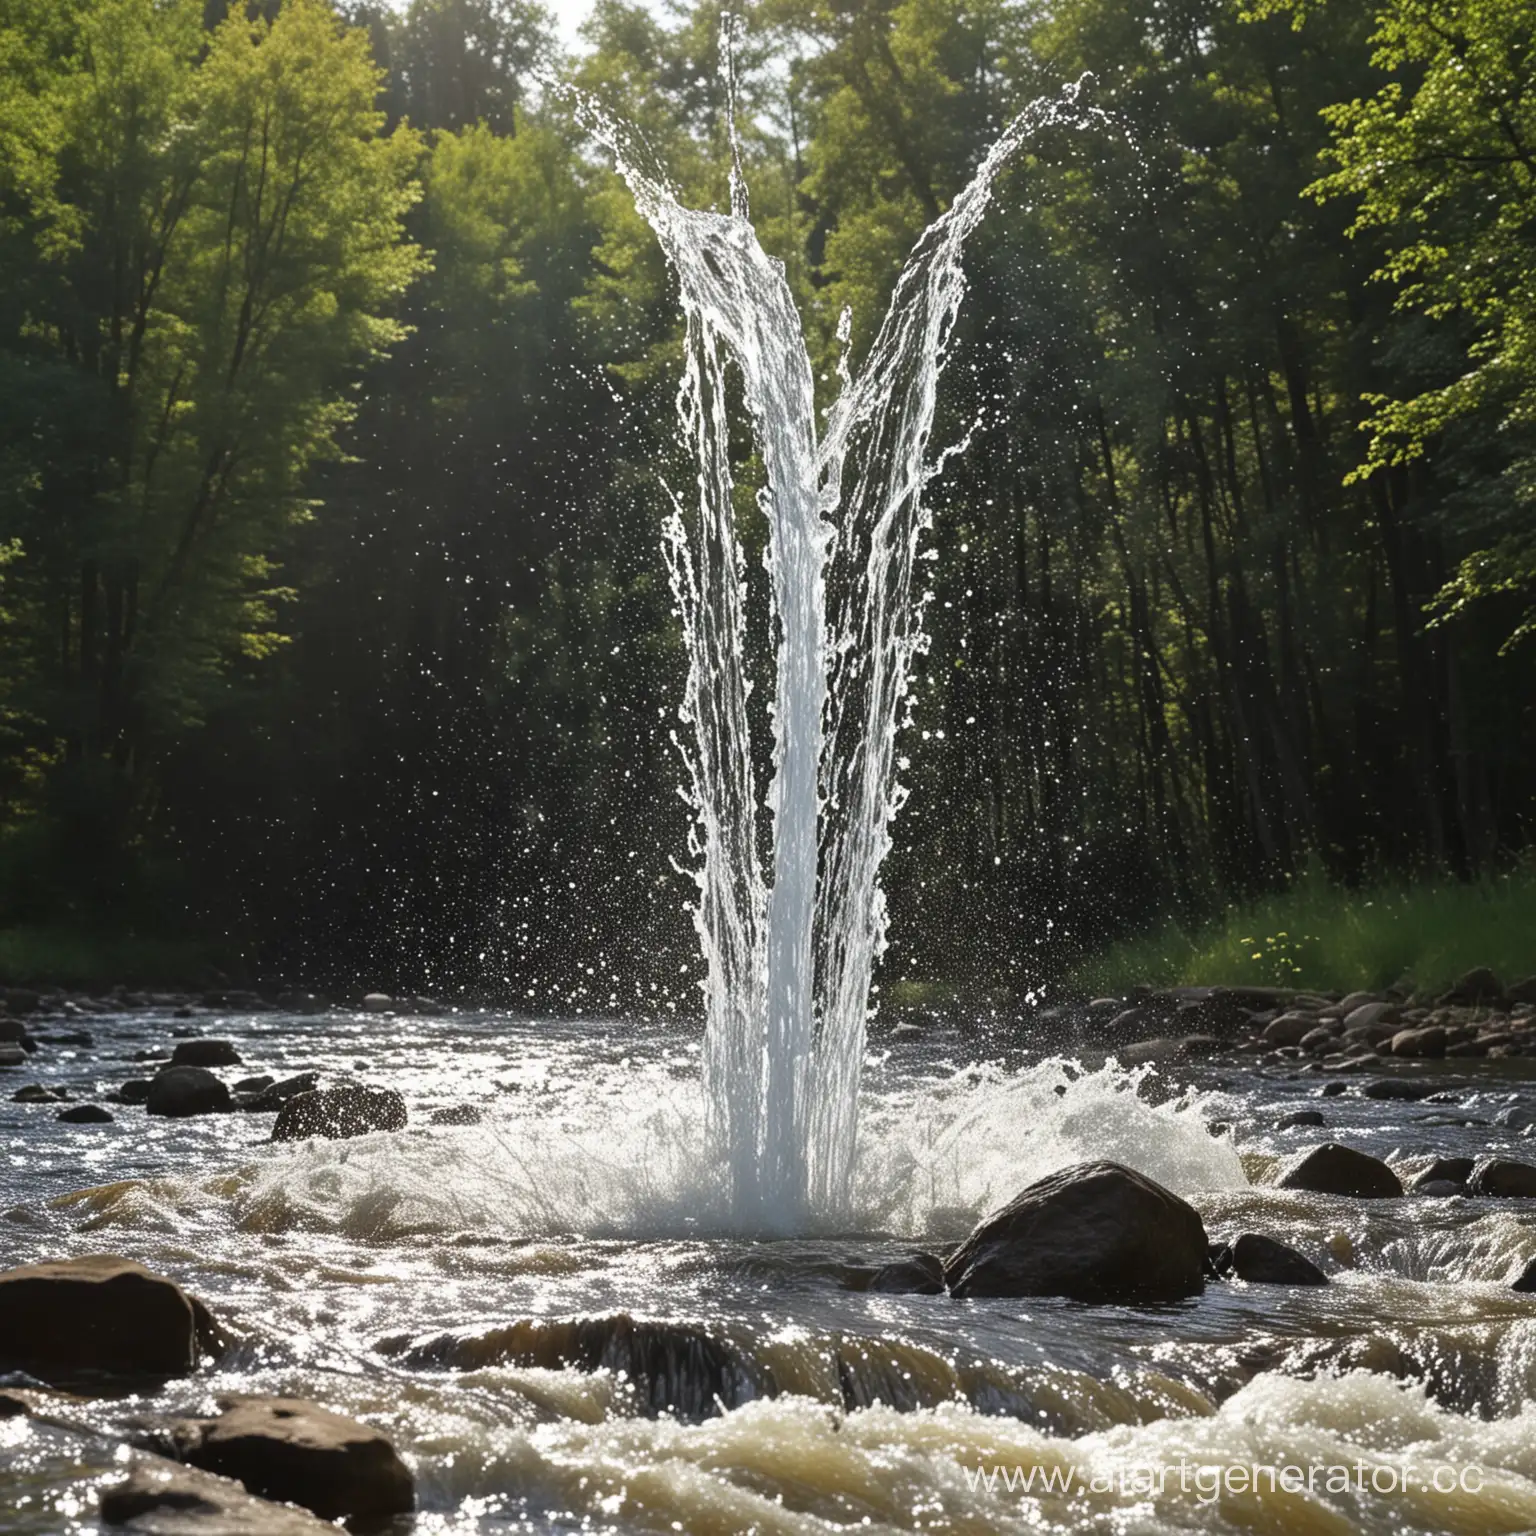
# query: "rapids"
[[556, 1317]]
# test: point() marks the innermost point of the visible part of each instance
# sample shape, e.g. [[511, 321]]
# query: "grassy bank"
[[1319, 935], [86, 959]]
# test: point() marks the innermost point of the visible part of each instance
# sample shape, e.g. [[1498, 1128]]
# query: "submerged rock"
[[1504, 1178], [921, 1275], [1407, 1089], [85, 1114], [275, 1095], [162, 1498], [101, 1313], [1299, 1118], [1096, 1232], [1262, 1260], [348, 1110], [1335, 1170], [39, 1093], [206, 1053], [182, 1091], [288, 1449]]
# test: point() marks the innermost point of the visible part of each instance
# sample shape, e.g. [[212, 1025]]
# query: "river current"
[[551, 1316]]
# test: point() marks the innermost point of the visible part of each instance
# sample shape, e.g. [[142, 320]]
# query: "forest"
[[337, 410]]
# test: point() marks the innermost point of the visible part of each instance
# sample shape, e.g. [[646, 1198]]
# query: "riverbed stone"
[[100, 1313], [183, 1091], [39, 1093], [1503, 1178], [206, 1053], [350, 1109], [289, 1449], [1408, 1090], [12, 1056], [275, 1095], [1263, 1260], [1288, 1029], [378, 1002], [1332, 1169], [164, 1498], [1526, 1279], [1299, 1118], [1095, 1232], [456, 1114], [1454, 1171], [1419, 1042], [1370, 1015], [85, 1114]]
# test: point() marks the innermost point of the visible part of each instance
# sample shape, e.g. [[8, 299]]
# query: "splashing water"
[[790, 949]]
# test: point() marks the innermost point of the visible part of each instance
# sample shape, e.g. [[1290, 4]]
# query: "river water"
[[550, 1314]]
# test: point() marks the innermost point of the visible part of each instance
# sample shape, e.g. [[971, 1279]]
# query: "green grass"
[[75, 957], [1317, 935]]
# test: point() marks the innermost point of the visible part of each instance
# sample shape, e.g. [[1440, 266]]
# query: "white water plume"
[[791, 948]]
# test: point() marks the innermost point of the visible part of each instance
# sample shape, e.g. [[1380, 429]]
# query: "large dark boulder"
[[1503, 1178], [1334, 1170], [183, 1091], [100, 1313], [288, 1449], [275, 1095], [1096, 1232], [205, 1053], [1261, 1260], [348, 1110], [163, 1498]]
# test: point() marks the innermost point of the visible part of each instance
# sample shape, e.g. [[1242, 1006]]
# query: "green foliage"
[[1441, 161], [1321, 936]]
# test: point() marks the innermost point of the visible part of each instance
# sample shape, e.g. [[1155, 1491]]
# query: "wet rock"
[[1299, 1118], [1419, 1042], [456, 1114], [1514, 1118], [1146, 1052], [274, 1097], [162, 1498], [378, 1002], [1407, 1089], [39, 1093], [258, 1084], [921, 1275], [1454, 1171], [14, 1032], [348, 1110], [79, 1037], [1467, 1048], [1320, 1039], [134, 1091], [1332, 1169], [1347, 1005], [1477, 988], [12, 1056], [1503, 1178], [1333, 1090], [288, 1449], [1261, 1260], [100, 1314], [182, 1091], [1439, 1189], [1371, 1015], [1288, 1029], [206, 1053], [1523, 991], [1526, 1279], [1096, 1232], [85, 1114]]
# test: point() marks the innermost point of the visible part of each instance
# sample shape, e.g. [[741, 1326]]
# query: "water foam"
[[624, 1153]]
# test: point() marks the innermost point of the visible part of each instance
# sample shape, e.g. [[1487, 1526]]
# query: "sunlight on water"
[[625, 1154]]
